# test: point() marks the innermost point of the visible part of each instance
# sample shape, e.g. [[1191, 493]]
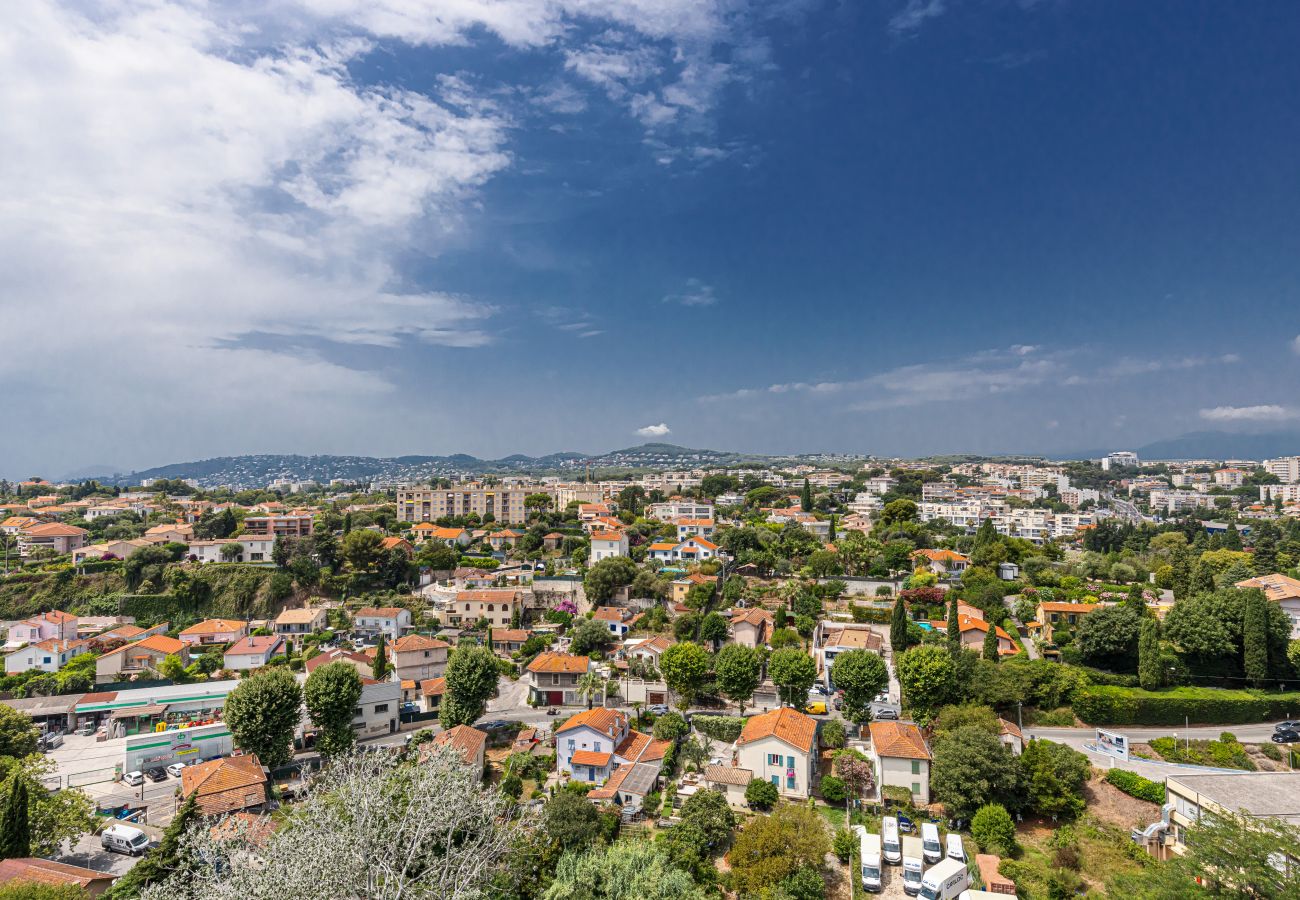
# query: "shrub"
[[1135, 785], [844, 844], [805, 883], [722, 728], [670, 727], [993, 829], [1271, 751], [1053, 718], [833, 735], [1110, 705], [761, 794], [834, 790]]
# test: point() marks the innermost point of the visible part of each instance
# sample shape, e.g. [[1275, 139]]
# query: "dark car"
[[1286, 737], [493, 725], [1287, 726], [157, 773]]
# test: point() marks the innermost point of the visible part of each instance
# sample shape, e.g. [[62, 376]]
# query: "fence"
[[94, 776]]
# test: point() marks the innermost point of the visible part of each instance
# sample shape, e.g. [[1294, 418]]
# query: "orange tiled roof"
[[225, 785], [606, 721], [1275, 586], [610, 614], [590, 758], [413, 642], [942, 555], [786, 724], [215, 626], [560, 663], [432, 687], [898, 739], [511, 635], [469, 742], [607, 536], [379, 612], [487, 595], [1054, 606]]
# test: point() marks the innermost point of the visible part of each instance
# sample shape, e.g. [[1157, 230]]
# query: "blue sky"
[[496, 226]]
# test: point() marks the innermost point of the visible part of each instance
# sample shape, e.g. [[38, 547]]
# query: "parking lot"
[[85, 763]]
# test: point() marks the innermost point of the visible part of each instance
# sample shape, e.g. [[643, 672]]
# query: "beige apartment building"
[[427, 505]]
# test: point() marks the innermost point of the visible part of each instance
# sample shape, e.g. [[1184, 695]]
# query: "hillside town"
[[937, 677]]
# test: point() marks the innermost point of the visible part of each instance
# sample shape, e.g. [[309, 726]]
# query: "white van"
[[889, 835], [869, 852], [124, 839], [913, 865], [946, 881], [956, 850], [930, 842]]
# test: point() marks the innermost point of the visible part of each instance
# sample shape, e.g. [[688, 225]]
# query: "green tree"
[[1150, 672], [670, 727], [861, 675], [1254, 635], [589, 636], [1052, 779], [952, 630], [571, 821], [806, 497], [771, 848], [793, 672], [52, 816], [990, 649], [898, 627], [589, 686], [993, 830], [162, 860], [761, 795], [737, 669], [685, 667], [363, 549], [331, 694], [232, 552], [18, 735], [263, 712], [608, 575], [173, 669], [1108, 637], [709, 812], [928, 677], [971, 768], [1243, 853], [713, 628], [379, 667], [15, 838], [471, 680], [624, 870]]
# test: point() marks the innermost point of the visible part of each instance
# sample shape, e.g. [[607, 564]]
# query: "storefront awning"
[[135, 712]]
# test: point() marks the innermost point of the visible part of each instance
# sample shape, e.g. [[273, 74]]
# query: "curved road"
[[1078, 738]]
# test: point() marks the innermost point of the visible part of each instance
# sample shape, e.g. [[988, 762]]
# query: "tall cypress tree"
[[805, 498], [954, 629], [991, 643], [380, 666], [1265, 557], [1149, 674], [1254, 636], [898, 627], [830, 532], [15, 837], [1202, 579], [1181, 577]]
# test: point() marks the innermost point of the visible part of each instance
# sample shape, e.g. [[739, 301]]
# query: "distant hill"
[[259, 470], [1223, 445]]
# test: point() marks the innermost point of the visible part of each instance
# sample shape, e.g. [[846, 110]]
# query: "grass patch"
[[1225, 753], [1099, 852]]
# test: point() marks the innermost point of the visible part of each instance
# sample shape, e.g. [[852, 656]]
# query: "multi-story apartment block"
[[426, 504], [1230, 478], [1073, 496], [294, 525], [1287, 492], [679, 509], [1176, 501], [1286, 468], [1125, 458]]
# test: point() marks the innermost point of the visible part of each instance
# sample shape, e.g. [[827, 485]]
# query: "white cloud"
[[168, 191], [1295, 344], [694, 293], [1126, 368], [1262, 413], [654, 430], [915, 14]]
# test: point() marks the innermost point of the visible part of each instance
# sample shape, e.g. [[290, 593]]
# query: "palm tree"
[[636, 707], [589, 685]]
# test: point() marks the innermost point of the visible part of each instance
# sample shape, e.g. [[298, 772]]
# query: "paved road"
[[1078, 738]]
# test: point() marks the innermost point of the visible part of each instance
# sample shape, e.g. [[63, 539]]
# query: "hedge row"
[[1105, 705], [720, 728], [1135, 785]]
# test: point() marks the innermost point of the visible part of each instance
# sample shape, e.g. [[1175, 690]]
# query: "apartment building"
[[426, 504], [294, 525], [497, 606], [679, 509], [1288, 493], [1176, 501], [54, 536], [1286, 468]]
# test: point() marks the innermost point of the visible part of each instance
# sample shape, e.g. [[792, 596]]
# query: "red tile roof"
[[899, 740], [560, 663], [785, 724], [590, 758]]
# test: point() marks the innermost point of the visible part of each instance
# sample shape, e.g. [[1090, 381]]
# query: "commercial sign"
[[186, 745], [1112, 743]]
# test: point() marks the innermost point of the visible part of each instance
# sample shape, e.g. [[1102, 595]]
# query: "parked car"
[[839, 702], [1287, 726], [882, 697], [882, 714], [85, 730], [1286, 737], [906, 825], [657, 710], [175, 769], [133, 778], [156, 774]]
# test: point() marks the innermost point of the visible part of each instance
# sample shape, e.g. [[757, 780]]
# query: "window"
[[555, 679], [596, 746], [572, 743], [789, 762], [916, 788], [916, 767], [789, 782], [774, 759], [381, 708], [776, 781]]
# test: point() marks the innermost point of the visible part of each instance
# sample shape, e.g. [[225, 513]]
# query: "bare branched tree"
[[371, 826]]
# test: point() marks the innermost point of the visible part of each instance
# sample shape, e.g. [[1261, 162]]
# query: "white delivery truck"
[[955, 848], [889, 836], [869, 851], [930, 842], [913, 864], [118, 838], [946, 881]]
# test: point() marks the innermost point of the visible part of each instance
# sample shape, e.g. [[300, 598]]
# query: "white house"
[[251, 549], [780, 747], [694, 528], [607, 545], [619, 621], [392, 621], [53, 624], [901, 758], [48, 656], [592, 744], [692, 549], [1282, 590], [254, 651]]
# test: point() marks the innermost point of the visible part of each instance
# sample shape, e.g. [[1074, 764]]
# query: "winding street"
[[1079, 738]]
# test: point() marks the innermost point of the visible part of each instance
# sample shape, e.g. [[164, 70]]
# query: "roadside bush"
[[834, 790], [1271, 751], [1051, 718], [1135, 785], [670, 727], [721, 728], [1222, 754], [1109, 705], [844, 844]]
